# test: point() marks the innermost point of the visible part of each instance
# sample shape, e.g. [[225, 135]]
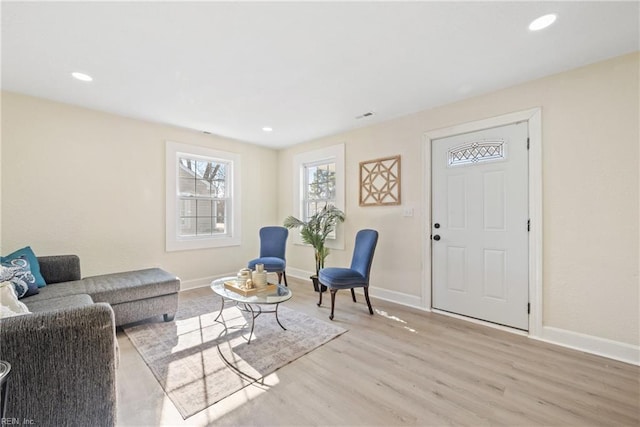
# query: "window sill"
[[186, 244]]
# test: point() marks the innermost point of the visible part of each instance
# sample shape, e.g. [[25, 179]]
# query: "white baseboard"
[[616, 350], [298, 274], [398, 297], [611, 349], [383, 294], [202, 282]]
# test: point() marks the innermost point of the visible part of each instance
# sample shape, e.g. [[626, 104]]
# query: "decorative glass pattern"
[[476, 152]]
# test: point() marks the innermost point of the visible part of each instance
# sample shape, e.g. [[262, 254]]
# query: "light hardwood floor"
[[404, 367]]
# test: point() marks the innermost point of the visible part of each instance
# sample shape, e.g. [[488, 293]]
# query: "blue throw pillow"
[[18, 272], [28, 254]]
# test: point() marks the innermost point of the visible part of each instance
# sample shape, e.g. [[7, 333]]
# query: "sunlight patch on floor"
[[396, 319], [170, 415]]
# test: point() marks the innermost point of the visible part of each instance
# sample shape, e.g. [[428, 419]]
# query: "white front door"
[[479, 227]]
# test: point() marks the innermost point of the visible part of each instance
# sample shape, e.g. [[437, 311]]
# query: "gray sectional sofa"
[[64, 354]]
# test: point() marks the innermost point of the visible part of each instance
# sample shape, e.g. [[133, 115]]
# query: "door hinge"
[[527, 143], [528, 308], [528, 225]]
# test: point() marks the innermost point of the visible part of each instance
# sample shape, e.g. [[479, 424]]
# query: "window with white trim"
[[320, 182], [202, 207], [203, 196]]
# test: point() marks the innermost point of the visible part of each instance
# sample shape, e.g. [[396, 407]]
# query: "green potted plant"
[[314, 232]]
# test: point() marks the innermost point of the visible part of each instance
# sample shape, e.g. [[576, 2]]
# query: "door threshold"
[[482, 322]]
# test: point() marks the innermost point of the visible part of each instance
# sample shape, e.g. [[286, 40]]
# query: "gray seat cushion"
[[57, 290], [60, 303], [131, 286]]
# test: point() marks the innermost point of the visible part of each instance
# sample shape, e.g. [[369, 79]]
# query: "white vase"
[[259, 278]]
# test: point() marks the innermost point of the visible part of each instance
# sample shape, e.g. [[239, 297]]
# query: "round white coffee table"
[[252, 304]]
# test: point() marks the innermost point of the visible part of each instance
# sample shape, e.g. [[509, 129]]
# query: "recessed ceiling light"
[[267, 129], [82, 76], [542, 22]]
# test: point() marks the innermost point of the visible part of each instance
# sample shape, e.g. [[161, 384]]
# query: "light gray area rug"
[[197, 362]]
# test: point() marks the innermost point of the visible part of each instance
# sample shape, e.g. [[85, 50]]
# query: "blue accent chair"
[[273, 244], [355, 277]]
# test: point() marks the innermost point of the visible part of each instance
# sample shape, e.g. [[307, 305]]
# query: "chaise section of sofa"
[[133, 295], [136, 295]]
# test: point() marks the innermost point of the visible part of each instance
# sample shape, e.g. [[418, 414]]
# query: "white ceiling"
[[305, 69]]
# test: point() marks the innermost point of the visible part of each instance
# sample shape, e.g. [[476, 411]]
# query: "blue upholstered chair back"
[[366, 241], [273, 241]]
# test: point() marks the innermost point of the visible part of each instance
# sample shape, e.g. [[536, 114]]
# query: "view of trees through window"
[[320, 187], [203, 196]]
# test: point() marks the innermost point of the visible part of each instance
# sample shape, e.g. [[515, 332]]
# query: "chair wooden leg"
[[320, 293], [333, 301], [353, 295], [282, 274], [366, 296]]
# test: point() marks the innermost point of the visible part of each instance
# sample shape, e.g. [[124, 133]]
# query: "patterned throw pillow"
[[27, 253], [17, 272]]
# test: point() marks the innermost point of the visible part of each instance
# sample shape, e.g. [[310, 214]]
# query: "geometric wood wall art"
[[380, 182]]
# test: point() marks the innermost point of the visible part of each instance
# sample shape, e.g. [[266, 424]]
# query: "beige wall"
[[590, 194], [90, 183]]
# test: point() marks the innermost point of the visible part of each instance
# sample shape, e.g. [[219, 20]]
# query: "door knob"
[[436, 225], [436, 237]]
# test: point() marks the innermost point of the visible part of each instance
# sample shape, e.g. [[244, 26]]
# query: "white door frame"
[[534, 119]]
